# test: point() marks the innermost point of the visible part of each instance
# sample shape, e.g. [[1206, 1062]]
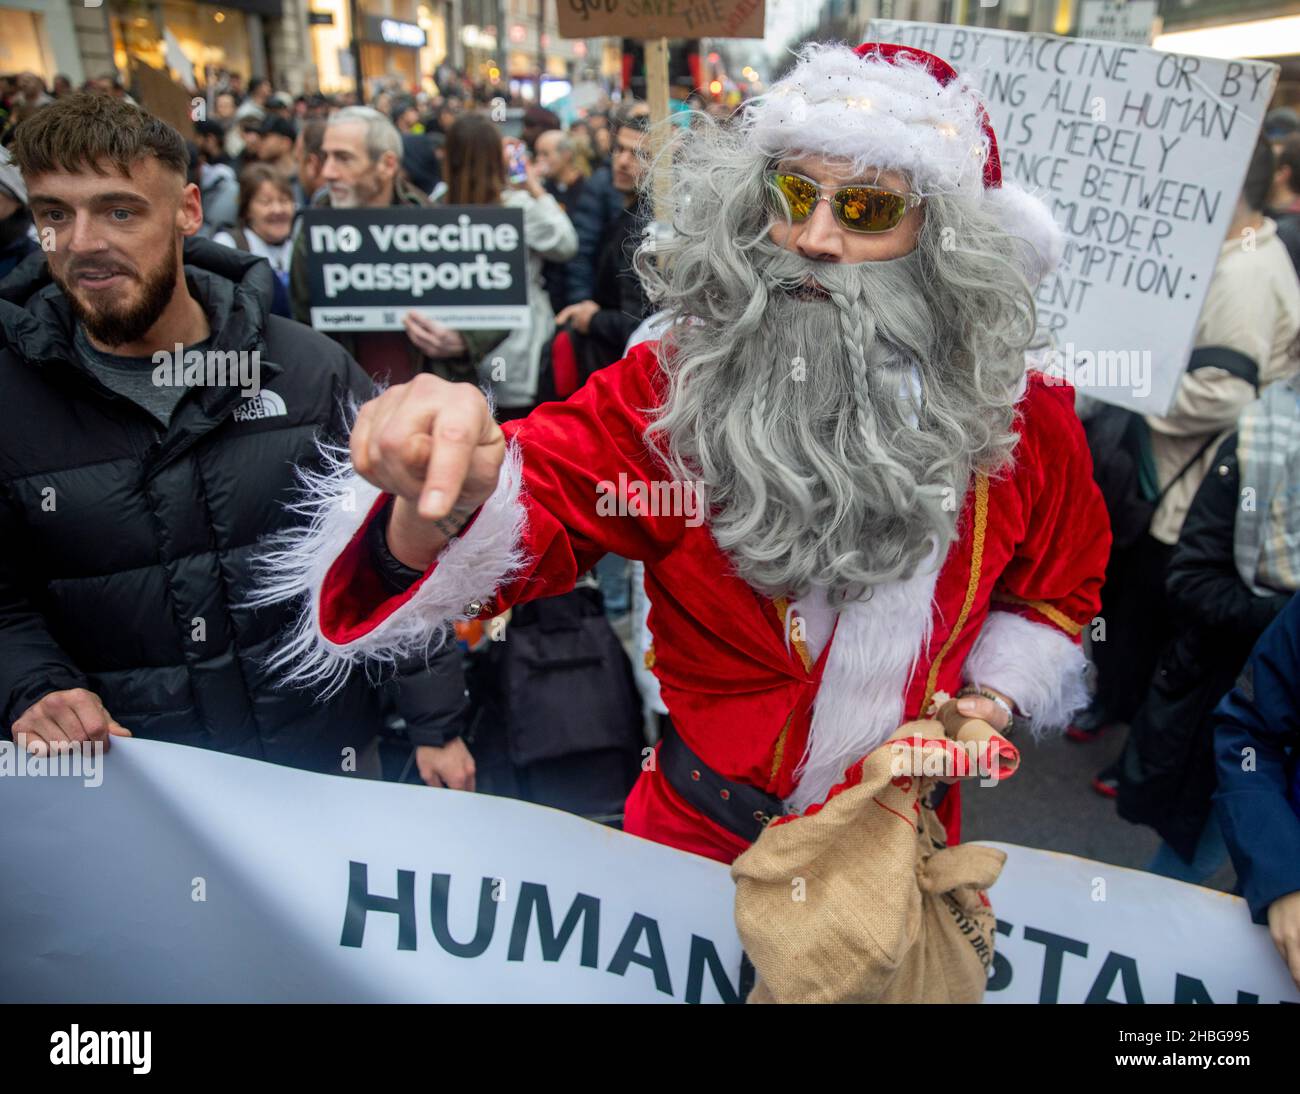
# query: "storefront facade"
[[210, 36], [1263, 29], [39, 36], [399, 40]]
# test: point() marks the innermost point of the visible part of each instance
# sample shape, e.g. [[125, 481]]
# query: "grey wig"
[[835, 438]]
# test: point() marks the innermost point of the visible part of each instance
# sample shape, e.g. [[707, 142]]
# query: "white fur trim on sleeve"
[[471, 567], [1041, 668]]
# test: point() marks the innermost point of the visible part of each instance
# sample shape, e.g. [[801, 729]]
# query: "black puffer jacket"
[[1167, 771], [126, 550]]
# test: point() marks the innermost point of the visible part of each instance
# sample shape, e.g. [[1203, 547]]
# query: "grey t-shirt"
[[132, 377]]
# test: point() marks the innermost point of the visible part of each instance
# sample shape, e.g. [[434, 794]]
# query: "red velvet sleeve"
[[1056, 573], [579, 483], [591, 485]]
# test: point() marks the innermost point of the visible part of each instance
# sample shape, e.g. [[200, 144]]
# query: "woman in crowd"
[[476, 160], [265, 226], [1235, 566]]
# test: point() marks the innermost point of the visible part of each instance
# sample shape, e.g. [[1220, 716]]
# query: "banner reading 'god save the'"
[[1140, 154], [661, 18]]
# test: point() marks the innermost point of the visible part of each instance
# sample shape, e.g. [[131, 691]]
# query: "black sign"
[[464, 265], [393, 32], [271, 8], [320, 18]]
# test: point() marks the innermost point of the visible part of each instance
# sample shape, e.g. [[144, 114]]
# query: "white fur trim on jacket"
[[864, 682], [1041, 668], [471, 567]]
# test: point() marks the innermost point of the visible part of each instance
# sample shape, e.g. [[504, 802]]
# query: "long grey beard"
[[810, 423]]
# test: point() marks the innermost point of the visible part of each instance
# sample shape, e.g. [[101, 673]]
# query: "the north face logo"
[[265, 404]]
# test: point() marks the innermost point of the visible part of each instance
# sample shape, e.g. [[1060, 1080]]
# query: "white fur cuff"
[[471, 567], [1034, 663]]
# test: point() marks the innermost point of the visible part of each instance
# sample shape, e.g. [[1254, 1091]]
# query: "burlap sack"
[[858, 900]]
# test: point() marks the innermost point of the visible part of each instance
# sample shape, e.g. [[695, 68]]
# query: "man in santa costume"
[[896, 506]]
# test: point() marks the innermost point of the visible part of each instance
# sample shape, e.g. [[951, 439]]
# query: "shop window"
[[22, 44]]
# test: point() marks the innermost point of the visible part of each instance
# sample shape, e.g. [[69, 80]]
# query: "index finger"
[[456, 431]]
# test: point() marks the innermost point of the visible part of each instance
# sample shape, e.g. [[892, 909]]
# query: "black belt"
[[740, 808]]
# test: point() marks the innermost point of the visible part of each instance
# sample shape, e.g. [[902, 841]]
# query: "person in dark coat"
[[420, 160], [605, 200], [1166, 774], [615, 303], [1230, 575], [1257, 741], [564, 179], [1284, 197], [600, 325], [153, 414]]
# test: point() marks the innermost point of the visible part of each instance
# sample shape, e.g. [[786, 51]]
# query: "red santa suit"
[[1005, 609]]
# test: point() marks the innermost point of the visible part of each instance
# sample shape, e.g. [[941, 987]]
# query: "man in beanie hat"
[[849, 493]]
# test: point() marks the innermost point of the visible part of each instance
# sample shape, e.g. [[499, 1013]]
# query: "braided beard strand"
[[832, 448]]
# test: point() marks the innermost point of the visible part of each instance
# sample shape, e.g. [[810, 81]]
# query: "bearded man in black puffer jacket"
[[153, 414]]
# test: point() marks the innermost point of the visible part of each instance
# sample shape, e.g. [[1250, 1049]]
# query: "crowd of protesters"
[[258, 159], [1197, 647]]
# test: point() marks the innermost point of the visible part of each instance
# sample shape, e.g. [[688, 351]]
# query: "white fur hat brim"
[[877, 113], [894, 113], [1028, 218]]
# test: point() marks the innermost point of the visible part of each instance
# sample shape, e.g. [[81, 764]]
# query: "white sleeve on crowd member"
[[547, 228], [338, 503], [1039, 666], [225, 239]]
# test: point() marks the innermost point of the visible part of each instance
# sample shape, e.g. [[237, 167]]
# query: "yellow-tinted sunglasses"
[[859, 208]]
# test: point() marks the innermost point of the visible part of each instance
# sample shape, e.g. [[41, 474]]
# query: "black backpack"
[[558, 691]]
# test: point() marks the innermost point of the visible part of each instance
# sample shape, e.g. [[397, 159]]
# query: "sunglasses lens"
[[799, 194], [866, 209]]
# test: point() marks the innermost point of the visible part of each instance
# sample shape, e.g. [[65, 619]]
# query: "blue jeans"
[[1211, 853]]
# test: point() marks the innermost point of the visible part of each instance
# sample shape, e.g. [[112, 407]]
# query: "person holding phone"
[[484, 169]]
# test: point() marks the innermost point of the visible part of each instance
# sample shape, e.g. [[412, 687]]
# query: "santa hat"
[[898, 107]]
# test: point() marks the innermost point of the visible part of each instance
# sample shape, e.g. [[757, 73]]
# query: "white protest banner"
[[463, 265], [1140, 154], [192, 876], [1071, 930], [171, 874]]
